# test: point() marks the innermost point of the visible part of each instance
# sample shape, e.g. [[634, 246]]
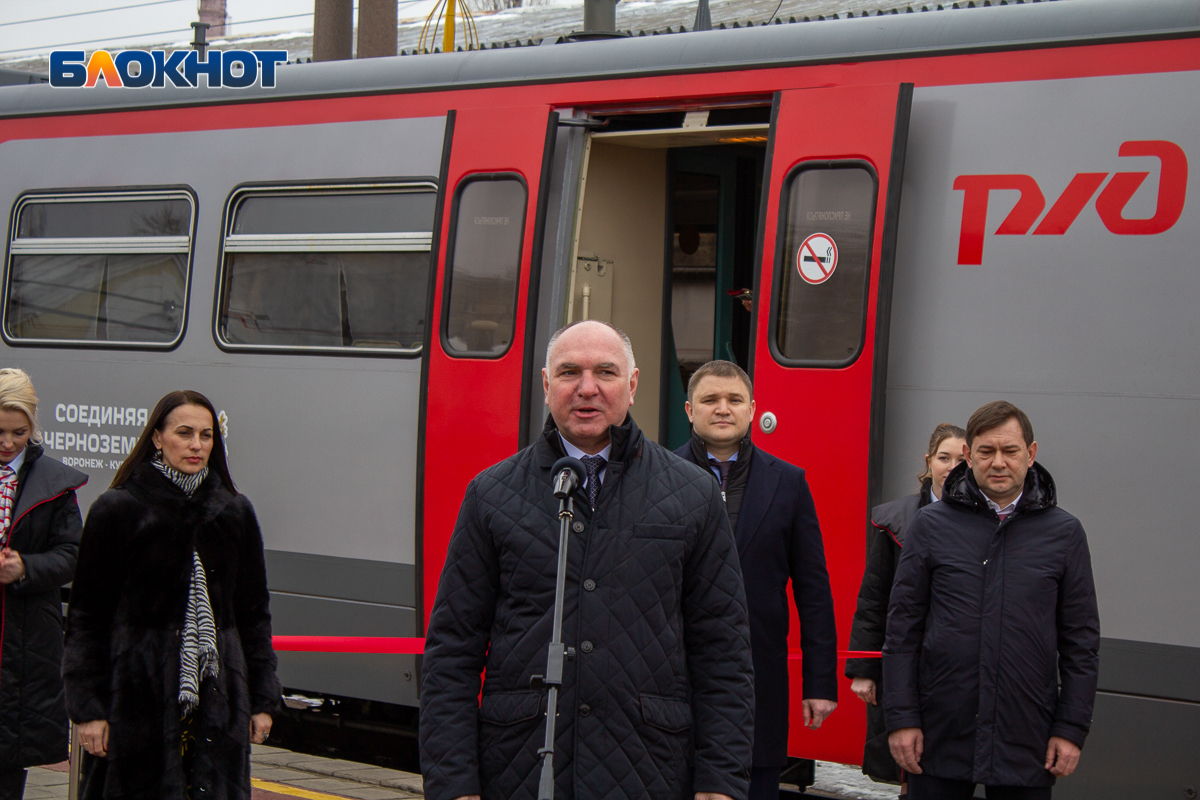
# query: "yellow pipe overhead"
[[448, 31]]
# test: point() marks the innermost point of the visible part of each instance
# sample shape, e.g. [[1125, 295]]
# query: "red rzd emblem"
[[1110, 205]]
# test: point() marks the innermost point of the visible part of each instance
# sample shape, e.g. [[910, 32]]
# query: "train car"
[[362, 265]]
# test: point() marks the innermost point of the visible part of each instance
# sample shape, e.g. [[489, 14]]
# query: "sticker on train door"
[[817, 258]]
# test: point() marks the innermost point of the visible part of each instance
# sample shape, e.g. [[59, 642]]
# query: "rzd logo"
[[134, 69], [1110, 205]]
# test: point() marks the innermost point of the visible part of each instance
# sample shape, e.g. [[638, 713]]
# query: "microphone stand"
[[567, 477]]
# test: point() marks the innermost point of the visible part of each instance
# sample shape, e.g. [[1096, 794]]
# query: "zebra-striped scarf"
[[198, 657]]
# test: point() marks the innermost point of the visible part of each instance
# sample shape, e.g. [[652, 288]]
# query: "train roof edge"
[[1013, 26]]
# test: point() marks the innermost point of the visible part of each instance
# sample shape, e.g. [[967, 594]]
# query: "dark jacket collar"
[[699, 450], [50, 479], [895, 515], [32, 453], [152, 487], [1038, 493], [626, 442]]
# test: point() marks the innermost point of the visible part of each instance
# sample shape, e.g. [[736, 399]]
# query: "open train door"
[[831, 200], [486, 247]]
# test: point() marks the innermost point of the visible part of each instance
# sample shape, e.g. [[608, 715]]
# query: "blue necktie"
[[593, 465], [723, 467]]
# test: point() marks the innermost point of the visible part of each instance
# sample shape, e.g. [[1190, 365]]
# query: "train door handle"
[[767, 422]]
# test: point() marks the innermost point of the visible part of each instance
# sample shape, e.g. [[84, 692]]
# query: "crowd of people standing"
[[977, 595], [678, 614]]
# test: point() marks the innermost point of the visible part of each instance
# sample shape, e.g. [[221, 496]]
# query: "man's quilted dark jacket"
[[659, 699]]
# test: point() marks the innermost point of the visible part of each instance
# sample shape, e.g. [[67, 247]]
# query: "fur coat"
[[123, 629], [45, 531]]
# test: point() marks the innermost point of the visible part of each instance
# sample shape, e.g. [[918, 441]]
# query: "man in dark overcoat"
[[658, 700], [991, 655], [778, 537]]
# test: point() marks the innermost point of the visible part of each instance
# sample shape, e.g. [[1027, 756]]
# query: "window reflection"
[[826, 259], [343, 268], [490, 223], [103, 219], [371, 300], [99, 268]]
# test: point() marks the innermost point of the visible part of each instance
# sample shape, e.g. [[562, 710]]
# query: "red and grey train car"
[[362, 266]]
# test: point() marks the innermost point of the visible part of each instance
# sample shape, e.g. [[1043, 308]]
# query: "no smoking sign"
[[817, 258]]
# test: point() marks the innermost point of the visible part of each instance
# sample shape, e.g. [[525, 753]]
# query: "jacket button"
[[586, 647], [584, 710], [578, 527], [589, 584]]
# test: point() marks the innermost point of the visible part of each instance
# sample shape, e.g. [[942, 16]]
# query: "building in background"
[[213, 12]]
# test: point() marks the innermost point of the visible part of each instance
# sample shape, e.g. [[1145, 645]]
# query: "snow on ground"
[[848, 783]]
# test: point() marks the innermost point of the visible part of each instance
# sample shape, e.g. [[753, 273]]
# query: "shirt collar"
[[1008, 509], [16, 463], [575, 452], [933, 498], [714, 458]]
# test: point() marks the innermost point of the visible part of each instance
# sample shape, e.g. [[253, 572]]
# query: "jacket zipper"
[[4, 593]]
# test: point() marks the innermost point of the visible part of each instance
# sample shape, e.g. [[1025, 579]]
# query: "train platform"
[[278, 774]]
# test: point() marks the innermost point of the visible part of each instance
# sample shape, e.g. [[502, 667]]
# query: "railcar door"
[[831, 200], [493, 168]]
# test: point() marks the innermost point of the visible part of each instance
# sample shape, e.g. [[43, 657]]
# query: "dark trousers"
[[764, 783], [928, 787], [12, 784]]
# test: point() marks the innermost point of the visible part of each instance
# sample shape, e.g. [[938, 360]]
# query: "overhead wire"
[[85, 13], [773, 13], [90, 41], [143, 35]]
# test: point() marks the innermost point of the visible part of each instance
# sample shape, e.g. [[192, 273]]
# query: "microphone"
[[567, 474]]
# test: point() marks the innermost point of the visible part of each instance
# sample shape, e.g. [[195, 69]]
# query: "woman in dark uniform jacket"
[[39, 539], [891, 521]]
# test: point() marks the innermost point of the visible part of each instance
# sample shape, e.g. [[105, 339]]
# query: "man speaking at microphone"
[[658, 700]]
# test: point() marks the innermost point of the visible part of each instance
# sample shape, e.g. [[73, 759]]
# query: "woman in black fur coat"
[[169, 669], [39, 538]]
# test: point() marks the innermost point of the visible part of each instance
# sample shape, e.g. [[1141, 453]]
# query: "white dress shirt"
[[1008, 509]]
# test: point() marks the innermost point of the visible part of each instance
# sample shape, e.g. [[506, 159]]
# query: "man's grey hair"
[[624, 339]]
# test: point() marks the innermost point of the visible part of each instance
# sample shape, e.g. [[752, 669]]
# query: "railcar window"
[[489, 219], [99, 269], [344, 213], [336, 269], [104, 219], [821, 302]]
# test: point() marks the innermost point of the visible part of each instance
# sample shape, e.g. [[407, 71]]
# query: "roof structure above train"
[[1012, 26]]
